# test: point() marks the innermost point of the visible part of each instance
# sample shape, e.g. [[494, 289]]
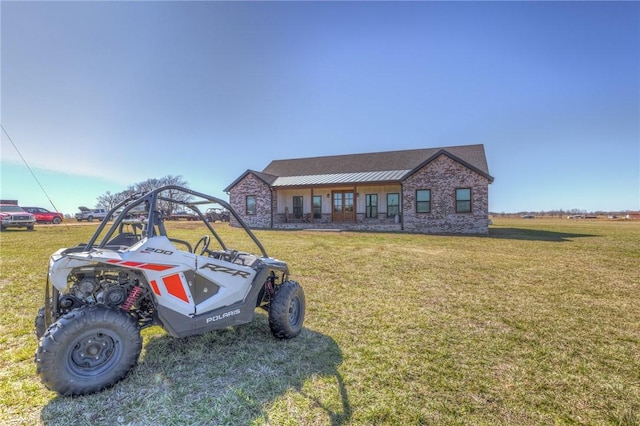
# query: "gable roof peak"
[[265, 177]]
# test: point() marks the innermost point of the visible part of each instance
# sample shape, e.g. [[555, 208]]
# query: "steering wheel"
[[205, 240]]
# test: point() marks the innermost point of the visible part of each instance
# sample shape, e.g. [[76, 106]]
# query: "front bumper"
[[17, 223]]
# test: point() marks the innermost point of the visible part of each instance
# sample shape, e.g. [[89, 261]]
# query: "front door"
[[343, 206]]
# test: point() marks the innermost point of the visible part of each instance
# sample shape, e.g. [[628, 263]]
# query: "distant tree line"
[[109, 200], [559, 213]]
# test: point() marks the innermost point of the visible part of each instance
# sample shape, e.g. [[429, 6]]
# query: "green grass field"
[[537, 323]]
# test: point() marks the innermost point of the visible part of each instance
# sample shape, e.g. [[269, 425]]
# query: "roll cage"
[[145, 213]]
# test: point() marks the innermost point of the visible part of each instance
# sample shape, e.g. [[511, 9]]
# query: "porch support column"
[[355, 204]]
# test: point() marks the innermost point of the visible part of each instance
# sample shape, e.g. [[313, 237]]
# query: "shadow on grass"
[[532, 234], [239, 375]]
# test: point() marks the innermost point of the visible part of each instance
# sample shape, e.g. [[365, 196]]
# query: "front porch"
[[395, 227], [325, 222], [357, 208]]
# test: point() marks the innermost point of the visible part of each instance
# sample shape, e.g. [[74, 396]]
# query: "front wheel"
[[88, 349], [286, 310], [40, 323]]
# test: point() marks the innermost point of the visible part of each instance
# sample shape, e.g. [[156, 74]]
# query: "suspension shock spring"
[[269, 284], [132, 298]]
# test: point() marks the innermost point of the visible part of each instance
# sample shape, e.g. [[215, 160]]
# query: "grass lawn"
[[537, 323]]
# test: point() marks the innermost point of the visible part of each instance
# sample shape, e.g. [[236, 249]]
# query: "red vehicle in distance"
[[44, 215]]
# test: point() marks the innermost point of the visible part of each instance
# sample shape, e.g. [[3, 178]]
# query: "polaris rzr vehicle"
[[132, 274]]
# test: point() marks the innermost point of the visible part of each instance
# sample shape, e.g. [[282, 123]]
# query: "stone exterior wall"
[[443, 176], [251, 185]]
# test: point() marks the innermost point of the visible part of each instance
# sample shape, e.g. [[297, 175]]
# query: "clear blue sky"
[[101, 95]]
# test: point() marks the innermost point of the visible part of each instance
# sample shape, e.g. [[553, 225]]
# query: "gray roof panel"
[[341, 178]]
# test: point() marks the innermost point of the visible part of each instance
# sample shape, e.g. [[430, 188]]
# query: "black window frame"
[[371, 210], [255, 205], [423, 203], [298, 208], [463, 205], [317, 209], [397, 206]]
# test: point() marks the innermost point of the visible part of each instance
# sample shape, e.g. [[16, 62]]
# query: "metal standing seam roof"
[[338, 178]]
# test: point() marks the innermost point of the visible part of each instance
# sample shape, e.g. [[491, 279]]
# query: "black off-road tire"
[[87, 350], [286, 310]]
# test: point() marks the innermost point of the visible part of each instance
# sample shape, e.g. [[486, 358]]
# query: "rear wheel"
[[88, 349], [286, 310], [56, 220]]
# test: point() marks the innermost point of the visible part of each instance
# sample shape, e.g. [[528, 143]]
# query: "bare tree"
[[109, 200], [170, 207]]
